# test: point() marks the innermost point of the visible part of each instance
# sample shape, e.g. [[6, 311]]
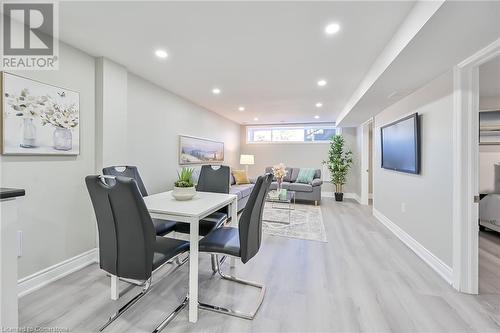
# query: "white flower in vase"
[[64, 117], [26, 107], [279, 172]]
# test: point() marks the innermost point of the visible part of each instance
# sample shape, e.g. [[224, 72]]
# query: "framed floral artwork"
[[38, 118]]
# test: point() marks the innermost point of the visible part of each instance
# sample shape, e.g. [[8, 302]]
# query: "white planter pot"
[[183, 193]]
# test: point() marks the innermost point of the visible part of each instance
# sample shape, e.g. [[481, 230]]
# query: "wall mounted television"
[[400, 145]]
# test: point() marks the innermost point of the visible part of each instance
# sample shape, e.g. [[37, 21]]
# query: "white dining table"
[[164, 206]]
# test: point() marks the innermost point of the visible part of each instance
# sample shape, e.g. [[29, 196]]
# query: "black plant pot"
[[339, 196]]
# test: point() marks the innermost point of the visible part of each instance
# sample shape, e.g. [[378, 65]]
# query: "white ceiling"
[[456, 31], [265, 56], [489, 78]]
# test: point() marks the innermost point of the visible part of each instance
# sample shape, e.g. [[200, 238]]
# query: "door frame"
[[365, 163], [466, 169]]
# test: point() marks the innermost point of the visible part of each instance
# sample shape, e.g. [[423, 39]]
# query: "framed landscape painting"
[[200, 151], [38, 118], [489, 127]]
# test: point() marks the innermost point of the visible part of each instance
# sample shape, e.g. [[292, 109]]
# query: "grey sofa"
[[308, 192], [242, 191]]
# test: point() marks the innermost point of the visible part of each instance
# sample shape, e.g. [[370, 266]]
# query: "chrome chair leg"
[[147, 286], [172, 315], [180, 262], [222, 260], [232, 312], [135, 299], [213, 258]]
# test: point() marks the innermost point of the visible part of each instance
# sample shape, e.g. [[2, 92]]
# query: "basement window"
[[290, 134]]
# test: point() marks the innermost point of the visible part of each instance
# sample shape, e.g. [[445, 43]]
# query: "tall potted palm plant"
[[339, 162]]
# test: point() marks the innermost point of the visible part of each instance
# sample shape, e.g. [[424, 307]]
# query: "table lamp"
[[247, 160]]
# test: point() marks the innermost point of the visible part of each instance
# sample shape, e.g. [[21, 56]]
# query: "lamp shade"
[[246, 160]]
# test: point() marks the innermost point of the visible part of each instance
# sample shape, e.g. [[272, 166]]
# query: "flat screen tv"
[[401, 145]]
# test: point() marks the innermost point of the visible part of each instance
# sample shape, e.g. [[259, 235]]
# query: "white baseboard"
[[352, 196], [39, 279], [445, 271], [346, 196]]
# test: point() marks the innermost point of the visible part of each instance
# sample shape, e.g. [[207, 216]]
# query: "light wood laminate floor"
[[489, 263], [363, 280]]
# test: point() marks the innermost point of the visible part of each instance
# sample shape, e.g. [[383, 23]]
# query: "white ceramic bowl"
[[183, 193]]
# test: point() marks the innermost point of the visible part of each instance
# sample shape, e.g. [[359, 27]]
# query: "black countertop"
[[11, 192]]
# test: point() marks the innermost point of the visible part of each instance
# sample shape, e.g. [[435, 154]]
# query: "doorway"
[[466, 171], [489, 177], [367, 163]]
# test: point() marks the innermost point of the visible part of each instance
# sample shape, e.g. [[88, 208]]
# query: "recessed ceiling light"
[[319, 104], [216, 91], [255, 119], [241, 108], [322, 83], [332, 28], [316, 117], [161, 54]]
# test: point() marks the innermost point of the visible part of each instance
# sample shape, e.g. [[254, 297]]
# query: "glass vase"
[[28, 139], [63, 139]]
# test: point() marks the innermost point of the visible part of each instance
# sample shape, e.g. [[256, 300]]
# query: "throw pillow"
[[241, 177], [306, 176]]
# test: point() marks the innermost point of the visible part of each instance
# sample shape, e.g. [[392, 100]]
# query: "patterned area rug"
[[306, 221]]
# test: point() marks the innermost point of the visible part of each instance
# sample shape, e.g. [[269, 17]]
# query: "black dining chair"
[[213, 179], [162, 227], [128, 245], [242, 242]]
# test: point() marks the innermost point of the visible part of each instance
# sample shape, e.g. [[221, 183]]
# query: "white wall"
[[301, 155], [111, 113], [353, 142], [136, 123], [428, 196], [370, 160], [489, 155], [56, 215], [489, 102], [156, 117]]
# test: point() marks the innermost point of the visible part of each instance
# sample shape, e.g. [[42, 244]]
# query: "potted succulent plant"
[[184, 188], [339, 162]]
